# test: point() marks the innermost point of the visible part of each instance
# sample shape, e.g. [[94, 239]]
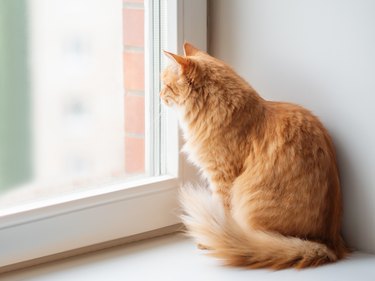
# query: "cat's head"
[[183, 75], [199, 81]]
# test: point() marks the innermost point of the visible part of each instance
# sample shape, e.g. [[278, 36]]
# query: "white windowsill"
[[175, 257], [83, 199]]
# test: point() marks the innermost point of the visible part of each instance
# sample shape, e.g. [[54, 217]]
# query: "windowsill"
[[68, 200], [175, 257]]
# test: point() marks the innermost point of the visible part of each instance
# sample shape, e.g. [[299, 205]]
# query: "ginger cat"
[[274, 198]]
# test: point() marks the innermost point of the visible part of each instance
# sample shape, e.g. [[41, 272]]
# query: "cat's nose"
[[163, 97], [162, 93]]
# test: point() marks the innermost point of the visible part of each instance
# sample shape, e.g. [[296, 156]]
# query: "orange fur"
[[271, 166]]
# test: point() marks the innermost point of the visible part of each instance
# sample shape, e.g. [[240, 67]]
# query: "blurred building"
[[76, 96], [76, 54]]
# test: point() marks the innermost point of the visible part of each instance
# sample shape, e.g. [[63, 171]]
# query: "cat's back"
[[293, 134], [292, 122]]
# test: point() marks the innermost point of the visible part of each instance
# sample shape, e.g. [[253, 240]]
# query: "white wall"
[[320, 54]]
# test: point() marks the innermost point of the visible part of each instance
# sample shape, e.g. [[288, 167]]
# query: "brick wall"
[[133, 20]]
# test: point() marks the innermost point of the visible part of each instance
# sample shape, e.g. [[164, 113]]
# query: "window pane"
[[134, 84], [75, 76]]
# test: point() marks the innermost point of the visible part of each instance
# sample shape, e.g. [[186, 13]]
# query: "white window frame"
[[121, 210]]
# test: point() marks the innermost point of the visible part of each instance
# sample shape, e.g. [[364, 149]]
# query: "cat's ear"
[[190, 50], [182, 61]]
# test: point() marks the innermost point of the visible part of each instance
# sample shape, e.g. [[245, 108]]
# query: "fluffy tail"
[[212, 227]]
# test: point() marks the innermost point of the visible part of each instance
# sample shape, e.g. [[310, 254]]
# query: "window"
[[87, 152], [83, 95]]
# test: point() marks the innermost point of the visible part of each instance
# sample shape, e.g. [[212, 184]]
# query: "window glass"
[[79, 107]]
